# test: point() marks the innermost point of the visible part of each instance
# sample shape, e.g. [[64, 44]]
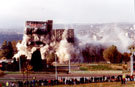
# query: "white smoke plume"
[[24, 49], [116, 36], [43, 50], [104, 37], [64, 49], [107, 36]]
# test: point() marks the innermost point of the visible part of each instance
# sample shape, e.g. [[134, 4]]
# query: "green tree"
[[1, 54], [8, 49], [26, 70], [126, 57], [112, 54], [14, 46], [4, 45], [3, 51]]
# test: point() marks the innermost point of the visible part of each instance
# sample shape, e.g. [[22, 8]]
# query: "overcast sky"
[[13, 12]]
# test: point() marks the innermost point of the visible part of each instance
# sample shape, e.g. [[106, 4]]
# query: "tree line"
[[91, 53], [8, 49], [100, 53]]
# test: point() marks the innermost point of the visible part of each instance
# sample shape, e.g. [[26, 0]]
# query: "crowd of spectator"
[[71, 81]]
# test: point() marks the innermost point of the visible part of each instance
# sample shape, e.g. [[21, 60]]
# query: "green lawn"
[[94, 67]]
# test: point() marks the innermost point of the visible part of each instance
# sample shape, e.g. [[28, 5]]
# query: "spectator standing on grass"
[[131, 78], [7, 84], [34, 81], [123, 79], [0, 85], [65, 81], [49, 82], [12, 84]]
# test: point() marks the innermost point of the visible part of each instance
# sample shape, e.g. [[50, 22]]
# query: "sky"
[[16, 12]]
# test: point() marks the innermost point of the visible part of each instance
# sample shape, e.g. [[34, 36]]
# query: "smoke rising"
[[116, 36], [85, 48], [106, 36], [66, 50], [63, 49]]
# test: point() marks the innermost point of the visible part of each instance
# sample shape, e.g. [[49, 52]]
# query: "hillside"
[[10, 37]]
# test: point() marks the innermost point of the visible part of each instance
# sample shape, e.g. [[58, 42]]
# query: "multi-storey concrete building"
[[59, 32], [41, 33]]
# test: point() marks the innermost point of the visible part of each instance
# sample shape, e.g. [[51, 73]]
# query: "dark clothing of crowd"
[[74, 81]]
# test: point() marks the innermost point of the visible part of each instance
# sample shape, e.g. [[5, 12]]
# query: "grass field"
[[107, 84], [94, 67]]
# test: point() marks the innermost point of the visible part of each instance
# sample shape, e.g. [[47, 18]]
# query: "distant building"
[[41, 33], [38, 27], [59, 32]]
